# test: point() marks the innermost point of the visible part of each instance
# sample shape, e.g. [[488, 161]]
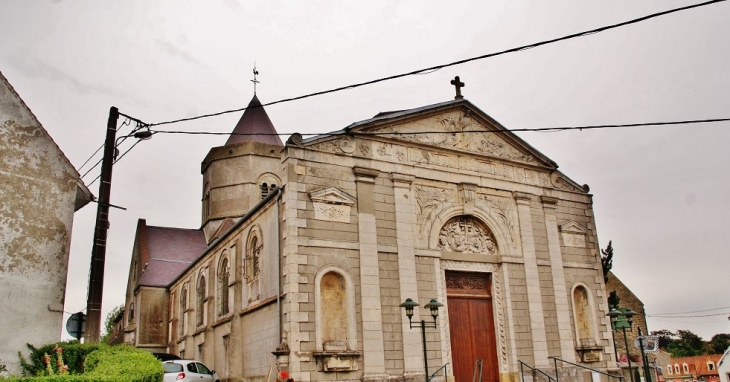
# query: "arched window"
[[583, 317], [253, 257], [199, 311], [206, 201], [131, 312], [266, 189], [223, 277], [183, 309]]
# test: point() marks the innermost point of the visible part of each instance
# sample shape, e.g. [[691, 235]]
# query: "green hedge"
[[121, 363], [74, 354]]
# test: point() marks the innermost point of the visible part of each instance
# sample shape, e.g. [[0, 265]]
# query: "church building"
[[430, 235]]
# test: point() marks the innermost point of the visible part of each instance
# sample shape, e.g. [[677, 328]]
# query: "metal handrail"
[[556, 359], [439, 369], [522, 372]]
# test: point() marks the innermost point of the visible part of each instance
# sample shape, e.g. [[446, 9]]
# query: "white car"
[[185, 370]]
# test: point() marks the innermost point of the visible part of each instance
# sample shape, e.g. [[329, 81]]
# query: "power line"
[[670, 316], [437, 67], [125, 123], [697, 311], [538, 129]]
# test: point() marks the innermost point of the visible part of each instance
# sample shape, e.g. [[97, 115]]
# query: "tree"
[[665, 337], [687, 344], [607, 261], [111, 320], [719, 343]]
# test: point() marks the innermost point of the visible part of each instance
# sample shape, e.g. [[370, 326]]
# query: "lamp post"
[[645, 361], [621, 319], [433, 306]]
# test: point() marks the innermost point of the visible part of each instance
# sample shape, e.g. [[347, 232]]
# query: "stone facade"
[[39, 192], [310, 274]]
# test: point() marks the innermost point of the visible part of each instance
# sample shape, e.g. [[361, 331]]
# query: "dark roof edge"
[[243, 220], [451, 103], [68, 161]]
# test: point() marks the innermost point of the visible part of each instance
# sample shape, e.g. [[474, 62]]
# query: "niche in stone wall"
[[335, 322], [467, 234], [585, 325]]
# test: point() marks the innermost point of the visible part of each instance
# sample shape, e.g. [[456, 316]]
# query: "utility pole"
[[98, 253]]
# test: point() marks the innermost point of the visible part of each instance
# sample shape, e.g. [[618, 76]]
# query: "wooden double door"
[[471, 322]]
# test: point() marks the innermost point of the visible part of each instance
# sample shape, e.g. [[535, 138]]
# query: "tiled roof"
[[254, 126], [170, 251], [697, 364]]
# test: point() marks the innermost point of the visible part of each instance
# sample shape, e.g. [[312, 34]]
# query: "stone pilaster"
[[532, 281], [405, 225], [562, 307], [372, 318]]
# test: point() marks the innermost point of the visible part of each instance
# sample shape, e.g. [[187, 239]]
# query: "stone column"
[[372, 318], [565, 332], [405, 225], [532, 281]]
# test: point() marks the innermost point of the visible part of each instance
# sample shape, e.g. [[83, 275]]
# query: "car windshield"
[[171, 367]]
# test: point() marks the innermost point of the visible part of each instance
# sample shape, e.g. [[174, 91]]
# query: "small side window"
[[191, 367]]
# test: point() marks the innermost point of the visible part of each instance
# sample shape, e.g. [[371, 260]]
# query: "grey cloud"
[[174, 51]]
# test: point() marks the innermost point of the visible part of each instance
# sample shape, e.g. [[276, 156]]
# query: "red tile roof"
[[697, 365], [254, 126], [167, 252]]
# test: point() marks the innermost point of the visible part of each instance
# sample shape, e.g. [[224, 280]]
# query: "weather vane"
[[254, 80]]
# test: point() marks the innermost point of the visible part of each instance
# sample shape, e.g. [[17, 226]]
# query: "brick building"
[[307, 249]]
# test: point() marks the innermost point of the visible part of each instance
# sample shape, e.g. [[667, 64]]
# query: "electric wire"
[[538, 129], [703, 315], [126, 122], [459, 62], [697, 311]]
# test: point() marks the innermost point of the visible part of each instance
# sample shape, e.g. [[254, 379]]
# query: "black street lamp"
[[433, 306], [621, 318]]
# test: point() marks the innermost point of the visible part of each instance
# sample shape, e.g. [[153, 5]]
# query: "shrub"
[[121, 363], [74, 354]]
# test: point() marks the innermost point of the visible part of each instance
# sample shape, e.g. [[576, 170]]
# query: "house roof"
[[698, 364], [167, 252], [254, 126]]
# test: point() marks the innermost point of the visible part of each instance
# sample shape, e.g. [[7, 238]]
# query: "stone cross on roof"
[[458, 85]]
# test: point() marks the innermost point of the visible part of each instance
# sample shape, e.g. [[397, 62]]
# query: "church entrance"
[[471, 323]]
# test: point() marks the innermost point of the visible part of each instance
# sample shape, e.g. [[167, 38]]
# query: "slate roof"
[[254, 126], [167, 252]]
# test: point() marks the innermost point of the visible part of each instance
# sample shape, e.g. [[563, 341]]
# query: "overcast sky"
[[660, 193]]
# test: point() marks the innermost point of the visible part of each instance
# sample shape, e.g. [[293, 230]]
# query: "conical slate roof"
[[254, 126]]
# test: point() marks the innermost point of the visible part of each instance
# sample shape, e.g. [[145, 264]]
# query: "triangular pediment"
[[571, 226], [455, 125], [332, 195]]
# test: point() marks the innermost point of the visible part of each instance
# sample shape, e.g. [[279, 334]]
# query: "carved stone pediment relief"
[[431, 201], [467, 235], [574, 234], [560, 182], [457, 130], [332, 204], [503, 209], [341, 145]]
